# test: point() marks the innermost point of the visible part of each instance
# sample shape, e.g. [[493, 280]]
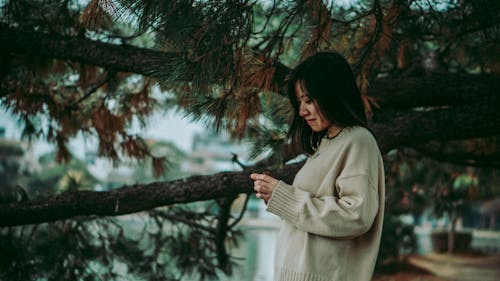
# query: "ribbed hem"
[[284, 202], [286, 274]]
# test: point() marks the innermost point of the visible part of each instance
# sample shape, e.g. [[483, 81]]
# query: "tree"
[[428, 81], [452, 200], [428, 71]]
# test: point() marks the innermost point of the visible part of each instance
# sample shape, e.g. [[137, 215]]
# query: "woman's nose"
[[302, 110]]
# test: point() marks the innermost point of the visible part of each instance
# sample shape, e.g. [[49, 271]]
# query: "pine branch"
[[177, 218], [412, 91], [131, 199], [120, 58]]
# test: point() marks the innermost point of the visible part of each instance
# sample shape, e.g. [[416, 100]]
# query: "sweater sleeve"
[[349, 210], [350, 215]]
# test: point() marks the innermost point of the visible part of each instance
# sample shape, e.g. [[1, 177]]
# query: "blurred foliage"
[[163, 244], [143, 171], [398, 240], [415, 183], [13, 172]]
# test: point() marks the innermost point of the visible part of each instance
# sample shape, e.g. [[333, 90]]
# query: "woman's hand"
[[264, 185]]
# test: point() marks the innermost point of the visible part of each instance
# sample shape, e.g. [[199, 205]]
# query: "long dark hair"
[[328, 80]]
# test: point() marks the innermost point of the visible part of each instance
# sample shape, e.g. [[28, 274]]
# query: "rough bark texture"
[[435, 89], [464, 106], [131, 199], [399, 128], [110, 56]]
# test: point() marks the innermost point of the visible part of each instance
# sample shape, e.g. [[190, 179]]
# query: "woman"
[[332, 213]]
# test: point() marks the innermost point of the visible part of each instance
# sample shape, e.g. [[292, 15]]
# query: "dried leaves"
[[230, 54], [321, 27], [97, 14], [57, 101]]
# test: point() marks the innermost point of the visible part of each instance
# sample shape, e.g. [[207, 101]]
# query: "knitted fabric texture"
[[332, 213]]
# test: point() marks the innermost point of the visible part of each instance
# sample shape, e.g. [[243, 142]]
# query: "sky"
[[173, 127], [170, 126]]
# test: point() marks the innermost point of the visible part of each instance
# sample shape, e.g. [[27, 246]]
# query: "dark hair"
[[328, 80]]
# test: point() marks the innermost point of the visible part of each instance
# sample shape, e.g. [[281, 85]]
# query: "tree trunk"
[[451, 232]]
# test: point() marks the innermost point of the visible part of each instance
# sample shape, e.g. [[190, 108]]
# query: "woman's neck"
[[333, 131]]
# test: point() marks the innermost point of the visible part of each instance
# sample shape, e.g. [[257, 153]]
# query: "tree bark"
[[403, 92], [405, 128], [434, 90], [115, 57], [131, 199]]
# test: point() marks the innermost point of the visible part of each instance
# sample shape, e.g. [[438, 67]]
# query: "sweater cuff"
[[284, 201]]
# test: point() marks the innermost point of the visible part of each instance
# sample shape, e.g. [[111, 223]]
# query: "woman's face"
[[308, 109]]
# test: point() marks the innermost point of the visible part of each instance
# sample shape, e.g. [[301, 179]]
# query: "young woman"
[[332, 213]]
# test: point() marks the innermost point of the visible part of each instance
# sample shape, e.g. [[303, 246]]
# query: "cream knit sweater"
[[332, 213]]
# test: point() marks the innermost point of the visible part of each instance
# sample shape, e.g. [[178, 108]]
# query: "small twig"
[[93, 88], [31, 235], [377, 11], [183, 220], [235, 159], [22, 192], [117, 205], [243, 210], [357, 18]]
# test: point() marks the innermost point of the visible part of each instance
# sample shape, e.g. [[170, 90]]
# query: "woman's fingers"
[[260, 186], [256, 187], [263, 196], [262, 177], [263, 185]]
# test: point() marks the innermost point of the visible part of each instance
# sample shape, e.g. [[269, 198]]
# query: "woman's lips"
[[310, 121]]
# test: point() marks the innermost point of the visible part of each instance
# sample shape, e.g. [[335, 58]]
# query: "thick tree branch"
[[131, 199], [431, 90], [434, 90], [113, 57], [396, 129]]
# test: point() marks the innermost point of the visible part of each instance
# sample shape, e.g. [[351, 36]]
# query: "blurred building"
[[16, 161], [132, 171], [21, 152], [212, 152]]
